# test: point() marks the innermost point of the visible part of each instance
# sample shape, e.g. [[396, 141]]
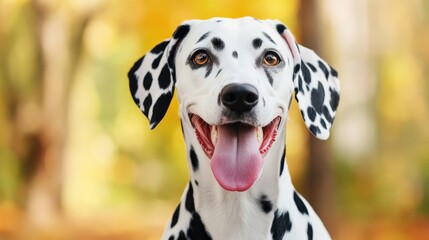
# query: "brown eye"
[[271, 59], [200, 57]]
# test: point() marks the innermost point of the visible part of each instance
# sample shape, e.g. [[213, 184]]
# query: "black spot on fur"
[[196, 229], [312, 67], [147, 81], [235, 54], [175, 217], [299, 204], [164, 78], [204, 36], [281, 28], [218, 44], [270, 78], [147, 103], [182, 236], [282, 161], [305, 73], [171, 237], [324, 69], [323, 123], [189, 202], [181, 31], [296, 70], [266, 205], [327, 114], [194, 159], [160, 107], [257, 42], [160, 47], [333, 72], [314, 129], [132, 78], [218, 21], [281, 225], [196, 182], [217, 74], [311, 113], [317, 98], [300, 88], [268, 37], [309, 232], [335, 98], [155, 62]]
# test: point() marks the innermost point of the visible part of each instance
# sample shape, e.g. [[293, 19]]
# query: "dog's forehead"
[[239, 28]]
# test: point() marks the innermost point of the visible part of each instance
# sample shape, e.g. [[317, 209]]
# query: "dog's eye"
[[200, 57], [271, 59]]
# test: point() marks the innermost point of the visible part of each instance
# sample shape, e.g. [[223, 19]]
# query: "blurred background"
[[77, 158]]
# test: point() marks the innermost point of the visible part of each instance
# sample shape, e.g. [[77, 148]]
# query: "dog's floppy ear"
[[152, 78], [317, 88]]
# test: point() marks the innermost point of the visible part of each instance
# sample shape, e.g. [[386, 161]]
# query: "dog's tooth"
[[213, 134], [259, 135]]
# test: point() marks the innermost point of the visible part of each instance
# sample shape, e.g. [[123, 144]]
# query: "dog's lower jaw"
[[227, 214]]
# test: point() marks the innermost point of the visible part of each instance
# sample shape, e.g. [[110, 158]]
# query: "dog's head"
[[234, 80]]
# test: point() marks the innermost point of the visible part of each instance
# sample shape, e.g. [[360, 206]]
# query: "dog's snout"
[[239, 97]]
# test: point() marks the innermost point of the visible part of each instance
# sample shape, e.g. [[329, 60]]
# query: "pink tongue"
[[236, 161]]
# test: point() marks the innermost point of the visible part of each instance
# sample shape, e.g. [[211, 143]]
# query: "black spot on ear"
[[281, 28], [296, 70], [317, 98], [160, 47], [281, 225], [305, 73], [133, 82], [311, 113], [257, 42], [147, 103], [197, 229], [270, 78], [164, 78], [182, 236], [299, 204], [314, 129], [324, 69], [327, 114], [300, 85], [194, 159], [266, 205], [155, 62], [160, 107], [204, 36], [335, 98], [282, 161], [147, 81], [333, 72], [323, 123], [309, 232], [312, 67], [175, 217], [181, 31], [218, 44], [268, 37], [189, 202], [235, 54]]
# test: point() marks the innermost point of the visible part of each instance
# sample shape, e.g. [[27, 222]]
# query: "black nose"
[[239, 98]]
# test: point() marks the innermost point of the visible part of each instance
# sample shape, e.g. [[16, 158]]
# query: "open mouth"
[[236, 150]]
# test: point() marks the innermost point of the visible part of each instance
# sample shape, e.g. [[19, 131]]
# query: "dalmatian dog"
[[235, 79]]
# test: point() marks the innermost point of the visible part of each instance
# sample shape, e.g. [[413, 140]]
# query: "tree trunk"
[[319, 175]]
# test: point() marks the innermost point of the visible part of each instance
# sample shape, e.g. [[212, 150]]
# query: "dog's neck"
[[228, 215]]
